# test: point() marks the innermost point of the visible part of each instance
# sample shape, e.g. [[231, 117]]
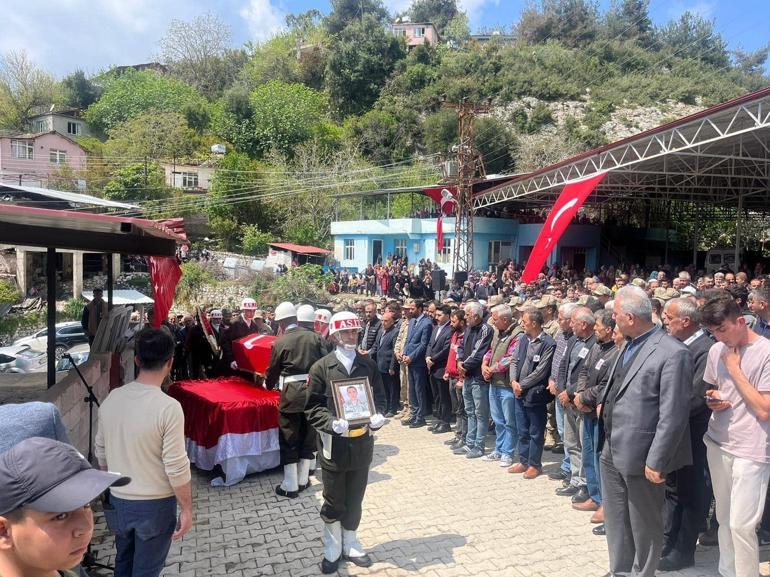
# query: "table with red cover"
[[229, 422]]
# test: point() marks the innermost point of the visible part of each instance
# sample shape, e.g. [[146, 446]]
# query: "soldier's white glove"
[[376, 421], [340, 426], [234, 366]]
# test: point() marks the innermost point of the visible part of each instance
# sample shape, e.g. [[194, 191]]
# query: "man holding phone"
[[738, 436]]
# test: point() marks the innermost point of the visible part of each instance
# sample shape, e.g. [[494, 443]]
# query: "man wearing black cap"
[[46, 523]]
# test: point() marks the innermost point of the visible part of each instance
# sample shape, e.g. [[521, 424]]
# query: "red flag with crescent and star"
[[445, 197], [564, 210], [165, 274]]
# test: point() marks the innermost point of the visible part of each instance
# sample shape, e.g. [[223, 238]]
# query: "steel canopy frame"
[[718, 155]]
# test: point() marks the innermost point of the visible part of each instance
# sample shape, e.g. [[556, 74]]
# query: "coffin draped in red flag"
[[564, 210], [445, 197], [252, 353]]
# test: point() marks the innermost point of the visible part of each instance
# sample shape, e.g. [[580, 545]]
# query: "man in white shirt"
[[141, 434]]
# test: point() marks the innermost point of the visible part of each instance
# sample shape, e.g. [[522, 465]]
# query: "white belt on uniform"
[[291, 379]]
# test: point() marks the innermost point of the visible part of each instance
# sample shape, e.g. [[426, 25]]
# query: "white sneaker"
[[506, 461], [493, 456]]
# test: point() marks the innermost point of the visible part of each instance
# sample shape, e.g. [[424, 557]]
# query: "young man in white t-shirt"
[[738, 368]]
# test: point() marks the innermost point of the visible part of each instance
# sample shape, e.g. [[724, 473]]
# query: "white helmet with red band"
[[344, 321], [248, 305], [216, 314], [322, 316]]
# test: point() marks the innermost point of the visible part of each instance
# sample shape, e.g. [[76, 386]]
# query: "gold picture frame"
[[353, 400]]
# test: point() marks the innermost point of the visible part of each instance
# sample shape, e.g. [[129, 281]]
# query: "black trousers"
[[296, 438], [392, 392], [458, 408], [442, 401], [344, 480], [687, 499]]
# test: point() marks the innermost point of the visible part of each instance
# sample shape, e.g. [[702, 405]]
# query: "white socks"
[[289, 483], [332, 538]]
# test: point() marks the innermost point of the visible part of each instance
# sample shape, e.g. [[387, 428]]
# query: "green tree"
[[234, 198], [8, 292], [439, 12], [302, 283], [629, 20], [457, 31], [254, 241], [497, 145], [137, 182], [361, 59], [694, 38], [572, 22], [751, 63], [153, 135], [441, 131], [78, 90], [285, 116], [345, 12], [23, 88], [378, 134], [132, 92]]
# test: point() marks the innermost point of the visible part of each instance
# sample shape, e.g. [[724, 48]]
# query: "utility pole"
[[470, 170]]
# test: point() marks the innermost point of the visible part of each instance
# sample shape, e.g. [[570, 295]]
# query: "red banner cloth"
[[570, 200], [445, 197], [165, 274], [252, 352], [224, 406]]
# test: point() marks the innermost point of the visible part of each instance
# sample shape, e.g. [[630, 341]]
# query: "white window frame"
[[22, 149], [399, 247], [74, 128], [419, 31], [57, 156], [190, 180], [444, 255], [348, 249], [41, 125], [495, 249]]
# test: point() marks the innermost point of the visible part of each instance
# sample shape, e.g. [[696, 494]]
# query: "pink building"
[[416, 33], [31, 159]]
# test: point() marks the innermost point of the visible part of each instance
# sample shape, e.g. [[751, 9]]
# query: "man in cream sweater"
[[141, 434]]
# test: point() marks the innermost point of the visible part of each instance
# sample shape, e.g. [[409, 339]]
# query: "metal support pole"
[[110, 281], [50, 273], [737, 263], [388, 209]]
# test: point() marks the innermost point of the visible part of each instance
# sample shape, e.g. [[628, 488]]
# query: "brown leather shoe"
[[587, 505], [598, 516], [517, 468], [532, 472]]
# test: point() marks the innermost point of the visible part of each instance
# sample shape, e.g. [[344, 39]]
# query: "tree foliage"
[[299, 284], [137, 181], [78, 90], [572, 22], [132, 92], [23, 87], [345, 12], [152, 134], [254, 241], [439, 12], [693, 37]]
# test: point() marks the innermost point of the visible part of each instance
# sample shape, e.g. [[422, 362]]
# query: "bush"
[[303, 283], [73, 310], [8, 292], [255, 241], [194, 277]]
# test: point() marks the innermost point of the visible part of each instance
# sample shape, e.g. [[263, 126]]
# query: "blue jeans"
[[143, 530], [560, 427], [502, 407], [531, 421], [476, 397], [590, 457]]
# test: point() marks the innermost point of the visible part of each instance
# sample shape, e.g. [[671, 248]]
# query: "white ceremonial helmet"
[[285, 310], [344, 321], [248, 305], [305, 314], [216, 314], [322, 316]]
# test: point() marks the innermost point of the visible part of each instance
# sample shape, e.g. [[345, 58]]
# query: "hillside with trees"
[[337, 104]]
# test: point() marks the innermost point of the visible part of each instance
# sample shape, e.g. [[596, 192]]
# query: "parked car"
[[79, 354], [21, 359], [67, 335], [8, 358]]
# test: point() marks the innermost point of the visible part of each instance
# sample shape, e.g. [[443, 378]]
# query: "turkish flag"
[[445, 197], [570, 200], [164, 274]]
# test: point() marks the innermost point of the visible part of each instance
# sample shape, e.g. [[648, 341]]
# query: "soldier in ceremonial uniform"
[[295, 351], [321, 322], [240, 328], [345, 450]]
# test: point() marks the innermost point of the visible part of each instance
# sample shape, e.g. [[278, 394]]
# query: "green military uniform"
[[293, 354], [551, 328], [345, 459]]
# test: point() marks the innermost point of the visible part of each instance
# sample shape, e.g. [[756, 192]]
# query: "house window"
[[22, 149], [419, 32], [73, 128], [349, 249], [57, 156], [189, 180], [400, 248], [41, 126], [499, 250], [445, 254]]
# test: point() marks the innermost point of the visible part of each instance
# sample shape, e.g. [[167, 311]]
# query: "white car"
[[67, 335], [21, 359]]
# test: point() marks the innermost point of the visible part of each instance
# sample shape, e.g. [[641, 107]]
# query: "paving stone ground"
[[427, 512]]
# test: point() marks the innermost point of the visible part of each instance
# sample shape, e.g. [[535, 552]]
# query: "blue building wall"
[[420, 238]]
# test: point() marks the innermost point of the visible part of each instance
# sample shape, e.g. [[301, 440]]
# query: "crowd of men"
[[653, 391]]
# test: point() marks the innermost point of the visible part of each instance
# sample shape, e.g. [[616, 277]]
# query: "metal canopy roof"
[[300, 248], [63, 229], [720, 155], [40, 194]]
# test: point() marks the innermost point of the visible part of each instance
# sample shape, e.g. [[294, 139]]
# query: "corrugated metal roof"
[[73, 197], [299, 248]]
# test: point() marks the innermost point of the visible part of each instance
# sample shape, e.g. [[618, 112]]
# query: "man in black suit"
[[371, 326], [645, 436], [382, 354], [436, 357], [686, 498]]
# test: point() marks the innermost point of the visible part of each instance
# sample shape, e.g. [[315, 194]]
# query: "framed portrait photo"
[[353, 400]]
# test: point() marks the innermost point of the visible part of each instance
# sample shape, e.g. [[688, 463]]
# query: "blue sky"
[[63, 35]]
